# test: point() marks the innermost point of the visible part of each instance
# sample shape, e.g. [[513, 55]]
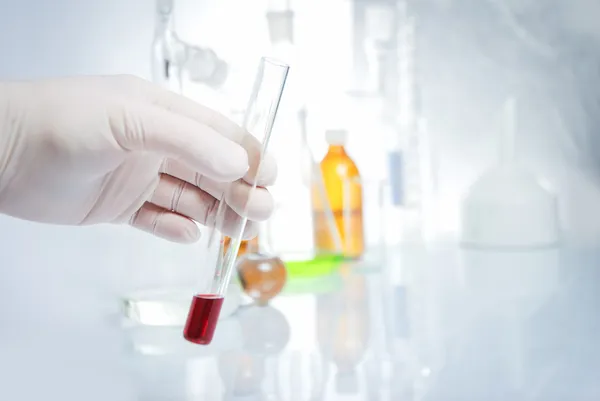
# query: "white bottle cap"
[[336, 137]]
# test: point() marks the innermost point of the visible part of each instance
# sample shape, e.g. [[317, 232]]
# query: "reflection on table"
[[432, 324]]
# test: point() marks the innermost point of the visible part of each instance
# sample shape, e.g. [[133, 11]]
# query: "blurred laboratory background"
[[436, 234]]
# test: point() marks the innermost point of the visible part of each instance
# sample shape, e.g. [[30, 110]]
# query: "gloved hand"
[[118, 149]]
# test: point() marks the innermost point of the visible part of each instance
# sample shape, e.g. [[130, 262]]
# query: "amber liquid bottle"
[[343, 188]]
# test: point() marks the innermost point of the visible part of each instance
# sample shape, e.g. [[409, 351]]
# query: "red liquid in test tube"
[[202, 318]]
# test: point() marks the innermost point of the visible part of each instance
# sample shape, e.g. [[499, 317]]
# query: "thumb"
[[154, 129]]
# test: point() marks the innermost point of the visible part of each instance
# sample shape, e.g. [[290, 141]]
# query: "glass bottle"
[[341, 179]]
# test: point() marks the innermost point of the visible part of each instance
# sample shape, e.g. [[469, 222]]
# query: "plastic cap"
[[336, 136]]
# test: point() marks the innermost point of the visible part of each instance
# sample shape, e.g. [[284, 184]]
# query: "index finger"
[[186, 107]]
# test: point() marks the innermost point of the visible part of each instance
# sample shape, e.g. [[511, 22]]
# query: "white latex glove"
[[89, 150]]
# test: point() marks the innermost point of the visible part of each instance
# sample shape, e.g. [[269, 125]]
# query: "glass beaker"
[[261, 272], [209, 294]]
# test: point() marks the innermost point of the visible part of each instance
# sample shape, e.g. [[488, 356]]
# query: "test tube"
[[258, 121]]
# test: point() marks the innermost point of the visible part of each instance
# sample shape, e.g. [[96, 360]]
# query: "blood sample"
[[202, 318]]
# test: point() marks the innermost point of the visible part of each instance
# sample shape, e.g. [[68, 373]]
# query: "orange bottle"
[[343, 188]]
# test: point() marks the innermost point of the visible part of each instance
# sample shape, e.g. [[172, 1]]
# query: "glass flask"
[[173, 59], [261, 273]]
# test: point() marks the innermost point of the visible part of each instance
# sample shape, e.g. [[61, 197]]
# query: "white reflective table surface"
[[437, 324]]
